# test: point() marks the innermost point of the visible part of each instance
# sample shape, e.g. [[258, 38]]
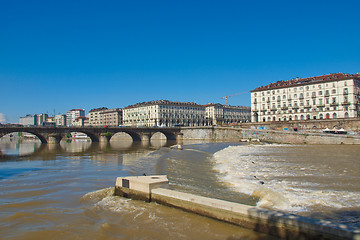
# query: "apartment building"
[[218, 114], [42, 118], [60, 120], [74, 114], [105, 117], [28, 120], [321, 97], [168, 113], [164, 113]]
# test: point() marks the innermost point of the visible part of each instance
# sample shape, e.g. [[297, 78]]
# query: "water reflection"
[[33, 149]]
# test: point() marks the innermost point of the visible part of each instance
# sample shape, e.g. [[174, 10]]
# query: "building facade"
[[74, 114], [322, 97], [164, 113], [80, 121], [168, 113], [42, 118], [105, 117], [28, 120], [60, 120], [218, 114]]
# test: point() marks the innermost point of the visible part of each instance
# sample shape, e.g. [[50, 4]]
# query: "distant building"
[[218, 114], [322, 97], [105, 117], [94, 116], [111, 117], [164, 113], [80, 121], [28, 120], [41, 118], [74, 114], [60, 120]]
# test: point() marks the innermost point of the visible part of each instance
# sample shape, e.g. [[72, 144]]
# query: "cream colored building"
[[322, 97], [168, 113], [60, 120], [72, 116], [105, 117], [80, 121], [164, 113], [218, 114]]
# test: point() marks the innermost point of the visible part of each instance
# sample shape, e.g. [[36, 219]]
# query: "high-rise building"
[[322, 97]]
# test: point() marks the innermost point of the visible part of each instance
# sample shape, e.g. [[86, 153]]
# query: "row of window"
[[301, 88]]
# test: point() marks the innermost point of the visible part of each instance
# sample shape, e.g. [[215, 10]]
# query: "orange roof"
[[309, 80]]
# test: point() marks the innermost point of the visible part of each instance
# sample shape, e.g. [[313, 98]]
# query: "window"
[[345, 91], [333, 91], [320, 92]]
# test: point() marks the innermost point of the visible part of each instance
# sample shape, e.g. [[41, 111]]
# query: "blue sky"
[[60, 55]]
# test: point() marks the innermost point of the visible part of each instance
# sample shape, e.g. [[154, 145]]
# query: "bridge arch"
[[41, 137], [92, 136]]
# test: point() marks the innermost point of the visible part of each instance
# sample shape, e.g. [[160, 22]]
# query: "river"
[[66, 191]]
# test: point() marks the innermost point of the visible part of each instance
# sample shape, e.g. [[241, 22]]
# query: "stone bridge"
[[96, 134]]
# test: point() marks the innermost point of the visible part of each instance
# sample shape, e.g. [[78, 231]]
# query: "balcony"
[[327, 95], [295, 107], [313, 96], [346, 103], [334, 104], [320, 105], [273, 109], [307, 106], [284, 108]]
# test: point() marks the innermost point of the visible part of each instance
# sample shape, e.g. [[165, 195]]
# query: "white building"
[[322, 97], [28, 120], [164, 113], [73, 115], [168, 113], [218, 114], [60, 120]]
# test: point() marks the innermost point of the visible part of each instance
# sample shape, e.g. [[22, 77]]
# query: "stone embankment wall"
[[349, 124], [274, 136], [298, 138], [211, 133]]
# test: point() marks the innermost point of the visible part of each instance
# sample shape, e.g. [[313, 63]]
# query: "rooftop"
[[304, 81], [162, 102]]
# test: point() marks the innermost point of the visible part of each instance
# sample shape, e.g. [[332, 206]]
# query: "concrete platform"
[[140, 187], [276, 223]]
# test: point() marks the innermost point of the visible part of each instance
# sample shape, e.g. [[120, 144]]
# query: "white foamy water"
[[290, 178]]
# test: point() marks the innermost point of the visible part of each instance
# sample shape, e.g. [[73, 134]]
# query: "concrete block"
[[139, 187]]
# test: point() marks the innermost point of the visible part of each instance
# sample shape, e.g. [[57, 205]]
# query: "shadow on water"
[[9, 172]]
